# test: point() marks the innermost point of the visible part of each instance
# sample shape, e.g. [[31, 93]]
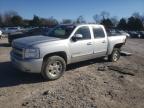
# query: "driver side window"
[[85, 32]]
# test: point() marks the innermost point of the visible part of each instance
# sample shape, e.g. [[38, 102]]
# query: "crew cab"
[[63, 45]]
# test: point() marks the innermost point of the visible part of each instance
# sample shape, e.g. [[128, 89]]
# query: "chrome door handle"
[[89, 43]]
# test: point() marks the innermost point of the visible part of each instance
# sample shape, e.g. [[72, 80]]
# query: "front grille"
[[17, 52]]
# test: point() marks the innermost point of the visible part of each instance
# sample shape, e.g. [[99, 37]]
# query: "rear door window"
[[98, 32]]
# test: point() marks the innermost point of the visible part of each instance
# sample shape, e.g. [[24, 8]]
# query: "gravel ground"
[[89, 84]]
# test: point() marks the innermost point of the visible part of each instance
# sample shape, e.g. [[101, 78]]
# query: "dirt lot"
[[90, 84]]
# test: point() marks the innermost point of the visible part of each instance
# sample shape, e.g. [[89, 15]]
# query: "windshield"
[[62, 31]]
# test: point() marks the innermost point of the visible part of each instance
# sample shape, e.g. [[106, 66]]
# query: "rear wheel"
[[54, 68], [115, 55]]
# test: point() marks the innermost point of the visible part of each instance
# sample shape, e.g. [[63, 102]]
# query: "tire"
[[114, 57], [54, 67]]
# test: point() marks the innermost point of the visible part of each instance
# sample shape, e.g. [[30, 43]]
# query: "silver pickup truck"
[[65, 44]]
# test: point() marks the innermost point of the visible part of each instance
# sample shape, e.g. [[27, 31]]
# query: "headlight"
[[31, 53]]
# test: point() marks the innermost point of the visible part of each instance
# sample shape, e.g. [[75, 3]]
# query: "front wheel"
[[115, 55], [54, 67]]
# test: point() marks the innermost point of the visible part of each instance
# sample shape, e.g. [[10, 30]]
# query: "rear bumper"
[[30, 66]]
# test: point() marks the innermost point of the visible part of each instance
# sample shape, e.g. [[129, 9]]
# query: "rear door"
[[100, 41], [82, 49]]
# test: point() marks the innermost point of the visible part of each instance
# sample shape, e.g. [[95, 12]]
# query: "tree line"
[[12, 18], [134, 22]]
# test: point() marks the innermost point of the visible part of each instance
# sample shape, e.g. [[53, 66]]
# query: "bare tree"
[[114, 20], [139, 16], [136, 15], [67, 21], [7, 17], [0, 19], [97, 18], [105, 14], [80, 20], [143, 18]]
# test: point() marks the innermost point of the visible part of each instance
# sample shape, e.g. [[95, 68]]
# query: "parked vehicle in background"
[[134, 34], [37, 31], [0, 33], [125, 33], [113, 32], [26, 33], [63, 45], [10, 30], [141, 34]]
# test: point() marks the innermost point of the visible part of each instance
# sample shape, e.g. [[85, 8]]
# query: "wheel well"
[[61, 54], [118, 45]]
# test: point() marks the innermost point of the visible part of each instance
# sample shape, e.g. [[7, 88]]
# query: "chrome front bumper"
[[31, 66]]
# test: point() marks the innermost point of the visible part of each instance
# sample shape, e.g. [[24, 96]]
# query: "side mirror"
[[77, 37]]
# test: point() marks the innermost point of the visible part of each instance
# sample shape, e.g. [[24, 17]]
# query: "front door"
[[82, 49]]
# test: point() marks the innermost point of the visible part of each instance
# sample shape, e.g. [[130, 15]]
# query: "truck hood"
[[32, 40]]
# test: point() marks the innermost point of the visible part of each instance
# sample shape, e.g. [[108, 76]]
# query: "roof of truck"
[[75, 25], [80, 24]]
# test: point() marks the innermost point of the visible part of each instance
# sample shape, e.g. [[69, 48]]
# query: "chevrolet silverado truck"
[[63, 45]]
